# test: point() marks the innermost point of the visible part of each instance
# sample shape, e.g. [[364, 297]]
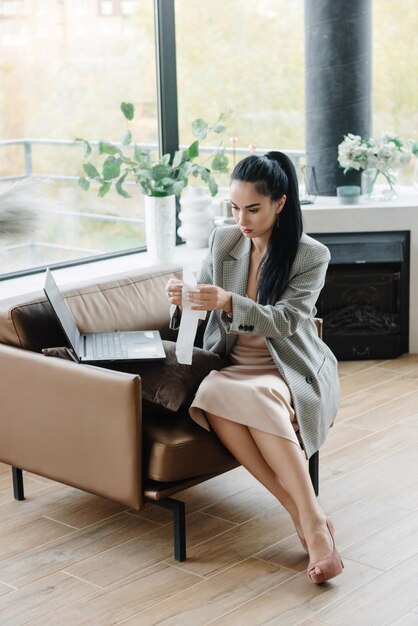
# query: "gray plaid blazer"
[[306, 363]]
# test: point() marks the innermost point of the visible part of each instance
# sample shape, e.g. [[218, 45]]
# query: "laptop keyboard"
[[110, 345]]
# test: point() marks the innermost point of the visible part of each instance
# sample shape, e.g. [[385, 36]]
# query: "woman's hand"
[[210, 298], [174, 289]]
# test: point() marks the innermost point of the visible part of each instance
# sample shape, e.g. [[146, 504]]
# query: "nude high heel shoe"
[[331, 566]]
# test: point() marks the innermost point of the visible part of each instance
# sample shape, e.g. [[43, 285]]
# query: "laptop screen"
[[62, 311]]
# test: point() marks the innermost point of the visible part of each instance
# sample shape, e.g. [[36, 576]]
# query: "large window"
[[249, 57], [246, 57], [395, 67], [65, 66]]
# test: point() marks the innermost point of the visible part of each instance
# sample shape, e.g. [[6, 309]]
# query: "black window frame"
[[167, 115]]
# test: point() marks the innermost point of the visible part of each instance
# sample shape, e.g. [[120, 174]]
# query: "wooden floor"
[[67, 557]]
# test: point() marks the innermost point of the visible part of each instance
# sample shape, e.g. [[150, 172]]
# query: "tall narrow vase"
[[160, 228]]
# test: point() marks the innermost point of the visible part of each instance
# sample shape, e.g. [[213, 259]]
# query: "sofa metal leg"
[[179, 524], [18, 490], [314, 471]]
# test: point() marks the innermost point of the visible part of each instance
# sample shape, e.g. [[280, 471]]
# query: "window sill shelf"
[[186, 257]]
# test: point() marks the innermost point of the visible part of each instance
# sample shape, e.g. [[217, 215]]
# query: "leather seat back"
[[126, 301]]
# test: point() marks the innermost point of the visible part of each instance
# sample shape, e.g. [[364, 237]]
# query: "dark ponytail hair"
[[274, 175]]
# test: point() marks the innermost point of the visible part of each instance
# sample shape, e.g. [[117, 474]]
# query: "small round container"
[[348, 194]]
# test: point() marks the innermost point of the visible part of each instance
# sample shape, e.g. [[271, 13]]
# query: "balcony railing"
[[36, 249]]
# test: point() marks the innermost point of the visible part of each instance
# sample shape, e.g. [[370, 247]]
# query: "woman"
[[260, 281]]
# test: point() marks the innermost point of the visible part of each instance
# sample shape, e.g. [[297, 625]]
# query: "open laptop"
[[96, 348]]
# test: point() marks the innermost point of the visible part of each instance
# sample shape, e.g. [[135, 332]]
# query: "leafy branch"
[[165, 177]]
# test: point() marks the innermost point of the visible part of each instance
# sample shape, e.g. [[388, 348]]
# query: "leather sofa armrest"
[[76, 424], [319, 323]]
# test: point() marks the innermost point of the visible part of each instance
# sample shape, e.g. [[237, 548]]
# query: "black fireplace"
[[365, 300]]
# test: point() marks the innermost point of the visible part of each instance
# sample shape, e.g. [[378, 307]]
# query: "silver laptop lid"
[[62, 311]]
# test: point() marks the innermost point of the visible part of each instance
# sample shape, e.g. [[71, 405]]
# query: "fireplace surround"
[[365, 300]]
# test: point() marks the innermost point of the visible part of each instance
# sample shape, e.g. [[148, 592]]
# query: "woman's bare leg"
[[288, 463], [281, 467], [237, 438]]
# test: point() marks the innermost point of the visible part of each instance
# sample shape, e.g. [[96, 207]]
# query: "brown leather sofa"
[[86, 426]]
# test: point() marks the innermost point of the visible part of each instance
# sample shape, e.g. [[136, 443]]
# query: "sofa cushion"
[[61, 353], [178, 449], [166, 385], [37, 326]]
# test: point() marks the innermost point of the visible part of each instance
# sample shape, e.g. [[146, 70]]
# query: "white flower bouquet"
[[388, 152], [385, 155]]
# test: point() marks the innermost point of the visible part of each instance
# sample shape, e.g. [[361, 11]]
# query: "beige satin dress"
[[251, 391]]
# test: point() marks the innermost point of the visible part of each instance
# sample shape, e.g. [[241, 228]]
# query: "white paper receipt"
[[189, 321]]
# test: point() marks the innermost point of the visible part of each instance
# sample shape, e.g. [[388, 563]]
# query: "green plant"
[[165, 177]]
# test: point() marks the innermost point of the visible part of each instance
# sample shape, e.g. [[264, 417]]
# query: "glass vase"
[[378, 185]]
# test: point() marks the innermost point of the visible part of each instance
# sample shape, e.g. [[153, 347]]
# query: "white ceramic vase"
[[196, 217], [160, 228]]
